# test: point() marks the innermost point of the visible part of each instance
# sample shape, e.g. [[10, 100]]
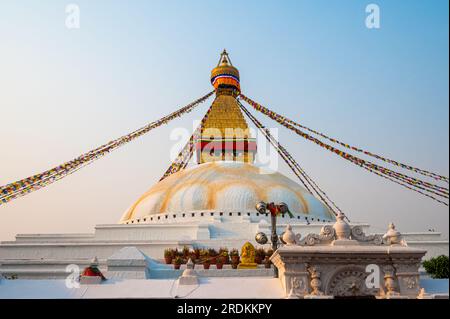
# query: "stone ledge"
[[203, 273]]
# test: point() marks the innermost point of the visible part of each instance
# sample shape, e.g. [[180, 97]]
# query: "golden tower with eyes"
[[226, 181], [225, 135]]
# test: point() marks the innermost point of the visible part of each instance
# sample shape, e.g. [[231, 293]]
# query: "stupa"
[[226, 183], [211, 204]]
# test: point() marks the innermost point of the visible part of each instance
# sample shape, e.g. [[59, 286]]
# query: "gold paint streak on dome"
[[215, 179], [212, 187], [160, 186], [215, 187], [183, 181], [303, 202]]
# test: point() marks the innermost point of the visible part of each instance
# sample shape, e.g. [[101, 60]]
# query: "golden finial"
[[225, 75], [224, 58]]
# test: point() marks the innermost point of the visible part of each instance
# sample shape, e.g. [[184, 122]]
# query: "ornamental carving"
[[327, 235], [349, 283], [393, 236], [410, 282], [358, 234], [344, 262], [390, 284], [315, 282], [298, 286]]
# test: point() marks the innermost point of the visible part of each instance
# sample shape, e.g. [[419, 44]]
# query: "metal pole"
[[274, 238]]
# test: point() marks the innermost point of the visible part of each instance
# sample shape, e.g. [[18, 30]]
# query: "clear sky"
[[65, 91]]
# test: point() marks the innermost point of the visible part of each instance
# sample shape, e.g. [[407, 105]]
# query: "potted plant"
[[222, 259], [192, 256], [206, 264], [234, 254], [212, 255], [219, 262], [196, 252], [204, 257], [203, 254], [185, 252], [177, 262], [260, 254], [223, 252], [168, 255]]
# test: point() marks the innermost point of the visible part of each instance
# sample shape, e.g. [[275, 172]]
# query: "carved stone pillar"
[[408, 278], [293, 275], [297, 283], [296, 279], [316, 283], [390, 282]]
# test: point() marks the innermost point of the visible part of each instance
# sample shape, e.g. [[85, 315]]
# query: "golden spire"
[[225, 75], [225, 134], [224, 59]]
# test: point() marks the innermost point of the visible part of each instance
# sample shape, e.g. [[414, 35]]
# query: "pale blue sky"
[[64, 92]]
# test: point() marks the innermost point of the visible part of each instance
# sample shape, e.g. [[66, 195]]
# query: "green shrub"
[[437, 267]]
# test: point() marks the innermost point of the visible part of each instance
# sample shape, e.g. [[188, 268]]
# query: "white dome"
[[225, 187]]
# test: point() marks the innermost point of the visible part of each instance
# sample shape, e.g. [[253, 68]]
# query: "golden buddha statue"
[[247, 257]]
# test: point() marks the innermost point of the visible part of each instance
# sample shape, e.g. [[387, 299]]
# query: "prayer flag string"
[[25, 186], [185, 155], [306, 180], [404, 180], [354, 148]]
